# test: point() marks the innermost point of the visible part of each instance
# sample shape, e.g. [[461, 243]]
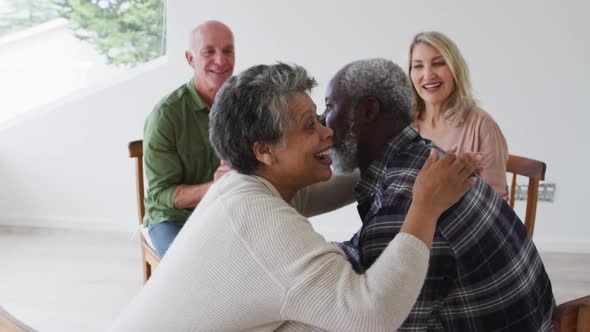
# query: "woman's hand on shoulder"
[[477, 156], [441, 183]]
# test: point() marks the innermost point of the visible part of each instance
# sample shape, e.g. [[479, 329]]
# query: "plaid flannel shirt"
[[485, 273]]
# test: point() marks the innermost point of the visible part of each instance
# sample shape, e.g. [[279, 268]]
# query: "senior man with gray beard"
[[485, 273]]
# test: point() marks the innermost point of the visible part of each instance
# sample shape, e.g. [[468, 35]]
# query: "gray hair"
[[382, 79], [254, 106]]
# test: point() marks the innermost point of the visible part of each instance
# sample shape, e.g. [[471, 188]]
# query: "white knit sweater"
[[247, 260]]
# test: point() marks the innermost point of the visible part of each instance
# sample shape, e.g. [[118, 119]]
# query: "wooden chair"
[[573, 316], [535, 171], [149, 258]]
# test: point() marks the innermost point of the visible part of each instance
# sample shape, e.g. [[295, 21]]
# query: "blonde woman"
[[444, 110]]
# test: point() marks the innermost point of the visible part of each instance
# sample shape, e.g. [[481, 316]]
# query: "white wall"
[[69, 164], [37, 57]]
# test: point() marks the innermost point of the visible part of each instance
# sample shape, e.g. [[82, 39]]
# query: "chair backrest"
[[573, 316], [136, 152], [535, 171]]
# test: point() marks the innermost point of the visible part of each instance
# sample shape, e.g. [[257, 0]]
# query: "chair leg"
[[146, 267], [531, 206], [147, 271], [584, 318]]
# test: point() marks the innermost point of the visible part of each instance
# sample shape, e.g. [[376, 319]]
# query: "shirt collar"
[[197, 101], [376, 172]]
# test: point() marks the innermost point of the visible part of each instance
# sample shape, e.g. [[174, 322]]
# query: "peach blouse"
[[479, 133]]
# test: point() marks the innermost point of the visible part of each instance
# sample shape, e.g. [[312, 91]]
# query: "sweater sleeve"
[[333, 297], [322, 289]]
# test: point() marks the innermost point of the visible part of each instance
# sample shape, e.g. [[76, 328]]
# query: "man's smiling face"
[[338, 116], [213, 57]]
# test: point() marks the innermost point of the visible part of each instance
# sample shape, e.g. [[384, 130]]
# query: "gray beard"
[[344, 157]]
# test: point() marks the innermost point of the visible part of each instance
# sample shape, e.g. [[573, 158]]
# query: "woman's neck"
[[286, 190], [433, 115]]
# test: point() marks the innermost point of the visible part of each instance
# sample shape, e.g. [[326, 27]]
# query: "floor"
[[65, 280], [62, 280]]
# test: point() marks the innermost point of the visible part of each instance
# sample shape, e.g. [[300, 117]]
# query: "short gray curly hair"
[[382, 79], [254, 106]]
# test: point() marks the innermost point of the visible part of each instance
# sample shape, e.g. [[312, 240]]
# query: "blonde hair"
[[461, 101]]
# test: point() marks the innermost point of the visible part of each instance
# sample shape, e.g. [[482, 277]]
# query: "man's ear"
[[189, 57], [263, 153], [370, 108]]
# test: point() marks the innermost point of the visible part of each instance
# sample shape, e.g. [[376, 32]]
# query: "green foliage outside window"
[[16, 15], [126, 32]]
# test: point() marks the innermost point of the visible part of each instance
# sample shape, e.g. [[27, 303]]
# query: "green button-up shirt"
[[176, 151]]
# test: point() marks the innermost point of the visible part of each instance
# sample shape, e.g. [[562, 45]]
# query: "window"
[[52, 48]]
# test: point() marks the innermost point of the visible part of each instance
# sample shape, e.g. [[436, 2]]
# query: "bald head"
[[195, 36], [212, 57]]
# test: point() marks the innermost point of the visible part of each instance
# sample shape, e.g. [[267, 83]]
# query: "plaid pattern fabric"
[[485, 273]]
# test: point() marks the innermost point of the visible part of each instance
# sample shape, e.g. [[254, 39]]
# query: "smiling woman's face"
[[431, 75], [304, 158]]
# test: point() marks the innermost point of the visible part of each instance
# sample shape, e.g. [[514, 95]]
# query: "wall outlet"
[[546, 192]]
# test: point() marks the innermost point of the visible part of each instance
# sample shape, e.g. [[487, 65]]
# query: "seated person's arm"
[[189, 195], [326, 196], [163, 168], [494, 150]]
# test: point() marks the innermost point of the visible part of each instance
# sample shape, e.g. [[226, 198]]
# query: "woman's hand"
[[441, 183], [475, 155]]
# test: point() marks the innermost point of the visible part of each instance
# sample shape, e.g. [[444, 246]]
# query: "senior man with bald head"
[[485, 273], [180, 163]]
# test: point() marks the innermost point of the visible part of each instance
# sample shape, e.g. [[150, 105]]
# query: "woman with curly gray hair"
[[249, 259]]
